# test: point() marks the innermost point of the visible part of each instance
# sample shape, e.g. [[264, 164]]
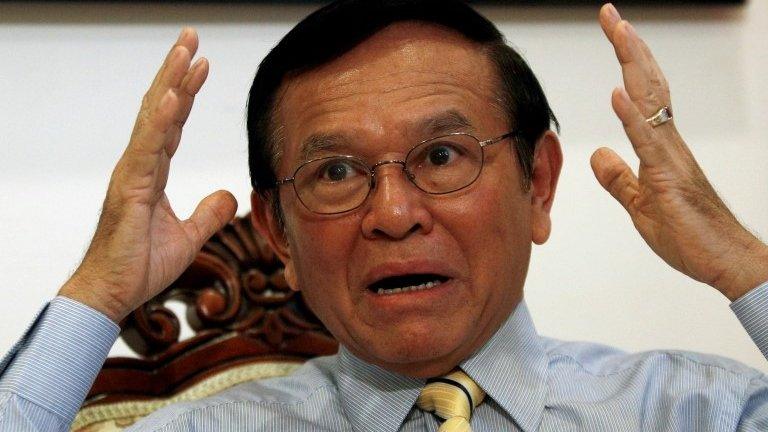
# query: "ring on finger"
[[662, 116]]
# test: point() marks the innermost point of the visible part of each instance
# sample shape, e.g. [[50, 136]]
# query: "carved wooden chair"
[[248, 325]]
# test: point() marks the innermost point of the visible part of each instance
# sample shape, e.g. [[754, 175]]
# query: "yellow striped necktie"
[[452, 397]]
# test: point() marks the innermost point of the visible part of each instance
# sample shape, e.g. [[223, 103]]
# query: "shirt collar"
[[374, 399], [511, 367]]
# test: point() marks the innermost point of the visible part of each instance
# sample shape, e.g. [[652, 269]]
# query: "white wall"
[[71, 77]]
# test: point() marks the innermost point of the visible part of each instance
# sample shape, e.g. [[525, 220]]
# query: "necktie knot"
[[452, 397]]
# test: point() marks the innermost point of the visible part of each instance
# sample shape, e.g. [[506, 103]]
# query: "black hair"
[[337, 28]]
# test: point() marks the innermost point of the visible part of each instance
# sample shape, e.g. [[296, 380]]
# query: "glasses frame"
[[410, 176]]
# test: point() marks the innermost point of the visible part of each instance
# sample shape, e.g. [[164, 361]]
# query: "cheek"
[[322, 251], [492, 225], [322, 254]]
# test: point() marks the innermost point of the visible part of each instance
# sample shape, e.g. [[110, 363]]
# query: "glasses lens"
[[445, 164], [332, 185]]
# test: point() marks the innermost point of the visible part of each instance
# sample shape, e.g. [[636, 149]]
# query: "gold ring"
[[662, 116]]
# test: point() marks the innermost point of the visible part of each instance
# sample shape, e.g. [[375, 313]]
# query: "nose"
[[396, 207]]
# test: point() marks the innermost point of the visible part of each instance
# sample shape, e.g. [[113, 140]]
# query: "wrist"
[[94, 295], [748, 269]]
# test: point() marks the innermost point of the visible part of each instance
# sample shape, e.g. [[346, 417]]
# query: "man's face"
[[404, 85]]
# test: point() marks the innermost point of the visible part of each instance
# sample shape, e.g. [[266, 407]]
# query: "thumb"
[[213, 212], [615, 176]]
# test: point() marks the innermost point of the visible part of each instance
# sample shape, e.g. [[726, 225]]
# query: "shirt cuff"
[[58, 359], [752, 310]]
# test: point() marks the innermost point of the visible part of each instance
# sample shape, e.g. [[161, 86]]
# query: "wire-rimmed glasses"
[[441, 165]]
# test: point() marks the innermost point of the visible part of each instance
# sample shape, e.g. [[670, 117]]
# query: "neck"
[[437, 366]]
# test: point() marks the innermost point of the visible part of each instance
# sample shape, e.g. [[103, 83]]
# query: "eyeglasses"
[[338, 184]]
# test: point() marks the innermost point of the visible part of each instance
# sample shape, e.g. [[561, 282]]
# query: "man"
[[402, 164]]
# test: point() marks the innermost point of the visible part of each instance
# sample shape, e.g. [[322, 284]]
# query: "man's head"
[[372, 79]]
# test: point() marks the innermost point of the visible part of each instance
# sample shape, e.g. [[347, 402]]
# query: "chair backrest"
[[247, 324]]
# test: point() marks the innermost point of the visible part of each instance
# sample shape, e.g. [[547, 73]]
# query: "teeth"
[[409, 288]]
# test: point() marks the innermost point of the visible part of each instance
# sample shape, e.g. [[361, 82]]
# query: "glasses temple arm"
[[499, 138]]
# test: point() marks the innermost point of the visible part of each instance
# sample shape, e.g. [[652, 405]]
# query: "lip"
[[390, 269]]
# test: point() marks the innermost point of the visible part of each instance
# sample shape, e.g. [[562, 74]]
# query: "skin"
[[376, 95], [140, 245], [670, 200]]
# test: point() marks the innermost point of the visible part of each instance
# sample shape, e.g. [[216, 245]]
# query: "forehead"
[[401, 82]]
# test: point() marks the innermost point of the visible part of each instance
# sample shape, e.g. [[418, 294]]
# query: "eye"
[[441, 154], [336, 171]]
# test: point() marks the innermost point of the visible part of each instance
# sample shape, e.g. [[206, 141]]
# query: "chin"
[[421, 352]]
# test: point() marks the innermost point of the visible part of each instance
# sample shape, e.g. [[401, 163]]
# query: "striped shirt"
[[533, 384]]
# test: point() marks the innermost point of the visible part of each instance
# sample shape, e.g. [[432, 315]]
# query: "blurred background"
[[72, 75]]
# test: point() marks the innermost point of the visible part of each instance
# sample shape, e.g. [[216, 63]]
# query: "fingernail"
[[181, 35], [197, 63], [175, 52], [623, 95], [613, 12]]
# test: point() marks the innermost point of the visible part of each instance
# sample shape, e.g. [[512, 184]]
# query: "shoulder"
[[602, 360], [640, 391], [290, 400], [580, 370]]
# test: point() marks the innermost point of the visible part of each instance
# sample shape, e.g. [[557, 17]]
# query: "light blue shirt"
[[533, 384]]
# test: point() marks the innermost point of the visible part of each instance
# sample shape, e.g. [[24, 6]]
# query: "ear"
[[264, 220], [547, 162]]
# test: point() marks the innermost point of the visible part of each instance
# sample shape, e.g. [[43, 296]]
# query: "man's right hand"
[[140, 246]]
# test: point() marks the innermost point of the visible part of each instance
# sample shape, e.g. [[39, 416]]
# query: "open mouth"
[[406, 283]]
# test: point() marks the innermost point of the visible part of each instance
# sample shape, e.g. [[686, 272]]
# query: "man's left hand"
[[670, 201]]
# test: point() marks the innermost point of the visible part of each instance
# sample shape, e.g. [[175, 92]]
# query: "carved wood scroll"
[[240, 308]]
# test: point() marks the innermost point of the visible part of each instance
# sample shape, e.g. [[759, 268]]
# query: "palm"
[[678, 221], [650, 215], [171, 248], [140, 246]]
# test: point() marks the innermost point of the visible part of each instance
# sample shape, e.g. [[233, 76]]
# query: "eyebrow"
[[321, 142], [445, 122]]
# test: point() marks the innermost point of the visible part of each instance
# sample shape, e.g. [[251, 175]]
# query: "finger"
[[161, 174], [195, 77], [188, 41], [172, 140], [143, 139], [136, 167], [175, 68], [213, 212], [615, 176], [658, 79], [644, 84], [644, 139], [155, 128], [609, 17], [187, 91]]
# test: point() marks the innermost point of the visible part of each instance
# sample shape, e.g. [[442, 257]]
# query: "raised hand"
[[670, 201], [140, 246]]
